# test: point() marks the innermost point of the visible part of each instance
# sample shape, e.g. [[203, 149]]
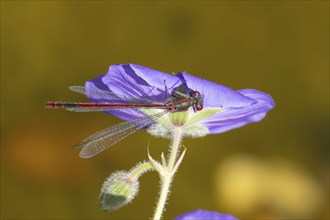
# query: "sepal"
[[156, 165]]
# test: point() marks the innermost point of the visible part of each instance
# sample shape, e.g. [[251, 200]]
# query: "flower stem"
[[141, 168], [167, 177]]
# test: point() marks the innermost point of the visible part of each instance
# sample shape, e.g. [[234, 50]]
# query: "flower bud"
[[118, 190]]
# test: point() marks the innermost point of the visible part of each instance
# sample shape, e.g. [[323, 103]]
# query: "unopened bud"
[[117, 191]]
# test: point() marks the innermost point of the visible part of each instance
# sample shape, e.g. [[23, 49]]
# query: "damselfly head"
[[198, 101]]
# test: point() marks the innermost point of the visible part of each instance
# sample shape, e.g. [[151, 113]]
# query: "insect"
[[181, 100]]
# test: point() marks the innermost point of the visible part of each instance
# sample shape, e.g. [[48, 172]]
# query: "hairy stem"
[[140, 169], [167, 177]]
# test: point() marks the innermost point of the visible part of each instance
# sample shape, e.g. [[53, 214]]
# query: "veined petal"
[[215, 95], [234, 117], [138, 81], [134, 81]]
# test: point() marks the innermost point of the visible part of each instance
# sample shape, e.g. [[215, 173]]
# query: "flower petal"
[[138, 81], [203, 215], [134, 81], [233, 117], [215, 95]]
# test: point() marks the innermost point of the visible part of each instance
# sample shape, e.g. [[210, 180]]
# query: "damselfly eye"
[[197, 93]]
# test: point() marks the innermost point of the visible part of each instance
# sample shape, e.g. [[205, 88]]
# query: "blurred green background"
[[274, 169]]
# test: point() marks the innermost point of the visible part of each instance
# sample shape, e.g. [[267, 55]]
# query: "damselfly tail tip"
[[51, 105]]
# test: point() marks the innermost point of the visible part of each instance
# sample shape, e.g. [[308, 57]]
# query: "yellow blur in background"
[[275, 169]]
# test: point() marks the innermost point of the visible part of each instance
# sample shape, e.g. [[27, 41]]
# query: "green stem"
[[138, 170], [167, 178]]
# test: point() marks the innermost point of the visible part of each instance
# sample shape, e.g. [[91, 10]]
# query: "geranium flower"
[[205, 215], [224, 108]]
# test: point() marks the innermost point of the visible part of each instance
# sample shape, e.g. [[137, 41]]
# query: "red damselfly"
[[180, 100]]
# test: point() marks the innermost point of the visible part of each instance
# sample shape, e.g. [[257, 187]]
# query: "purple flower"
[[224, 108], [205, 215]]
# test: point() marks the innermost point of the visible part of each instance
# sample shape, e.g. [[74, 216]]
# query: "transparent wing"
[[108, 108], [107, 95], [101, 140], [91, 109]]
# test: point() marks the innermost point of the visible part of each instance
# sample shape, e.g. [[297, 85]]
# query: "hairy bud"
[[117, 191]]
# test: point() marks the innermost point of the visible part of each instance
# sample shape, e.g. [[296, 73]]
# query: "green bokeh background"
[[279, 47]]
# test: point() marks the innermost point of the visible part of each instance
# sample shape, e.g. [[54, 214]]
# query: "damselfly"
[[181, 100]]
